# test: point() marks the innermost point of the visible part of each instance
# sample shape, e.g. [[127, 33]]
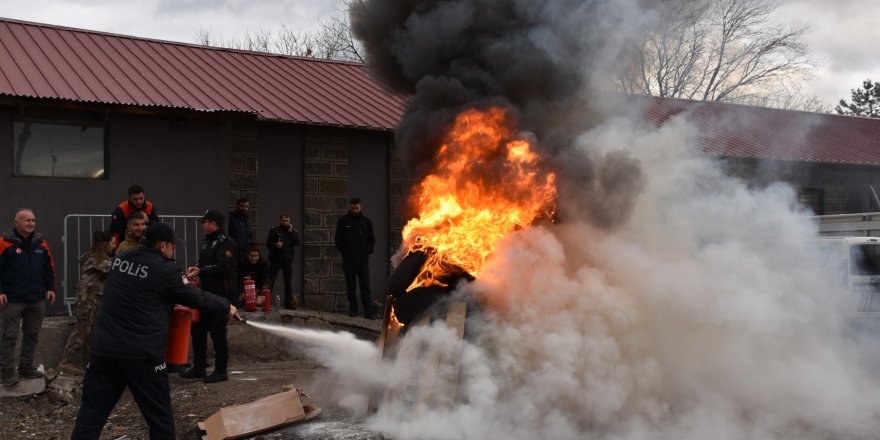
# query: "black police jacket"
[[239, 229], [217, 265], [288, 240], [354, 237], [139, 295]]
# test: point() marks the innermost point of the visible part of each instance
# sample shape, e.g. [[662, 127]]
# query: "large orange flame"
[[487, 182]]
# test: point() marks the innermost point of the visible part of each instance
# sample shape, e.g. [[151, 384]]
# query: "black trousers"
[[216, 326], [286, 268], [358, 273], [104, 382]]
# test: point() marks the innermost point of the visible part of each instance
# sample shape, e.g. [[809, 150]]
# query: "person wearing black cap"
[[131, 332], [355, 241], [216, 272]]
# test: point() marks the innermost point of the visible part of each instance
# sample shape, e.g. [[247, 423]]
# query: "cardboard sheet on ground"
[[257, 416]]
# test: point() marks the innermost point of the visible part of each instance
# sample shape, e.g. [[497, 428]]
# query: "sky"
[[843, 37]]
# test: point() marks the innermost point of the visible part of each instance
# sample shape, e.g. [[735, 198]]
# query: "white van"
[[856, 265]]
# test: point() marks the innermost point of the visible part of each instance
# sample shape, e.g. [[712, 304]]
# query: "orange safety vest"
[[127, 210]]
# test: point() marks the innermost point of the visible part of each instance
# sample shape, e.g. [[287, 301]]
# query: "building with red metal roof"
[[54, 62], [832, 160], [84, 114], [744, 131]]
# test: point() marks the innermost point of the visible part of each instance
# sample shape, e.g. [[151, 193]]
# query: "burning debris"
[[487, 182], [489, 81]]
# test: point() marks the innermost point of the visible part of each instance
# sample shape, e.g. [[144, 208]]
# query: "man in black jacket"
[[128, 346], [281, 242], [240, 226], [216, 271], [355, 240]]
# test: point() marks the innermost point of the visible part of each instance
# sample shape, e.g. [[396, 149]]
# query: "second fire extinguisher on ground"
[[250, 295]]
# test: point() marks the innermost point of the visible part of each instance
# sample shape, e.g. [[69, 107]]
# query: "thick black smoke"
[[536, 58]]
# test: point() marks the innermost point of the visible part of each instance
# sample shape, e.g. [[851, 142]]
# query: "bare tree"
[[332, 39], [790, 97], [716, 50]]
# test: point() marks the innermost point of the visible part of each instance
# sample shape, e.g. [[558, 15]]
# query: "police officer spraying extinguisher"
[[131, 332], [216, 272]]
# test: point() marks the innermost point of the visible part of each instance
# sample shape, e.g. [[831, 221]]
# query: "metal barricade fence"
[[77, 239]]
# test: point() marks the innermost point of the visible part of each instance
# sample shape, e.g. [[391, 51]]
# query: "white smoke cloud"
[[695, 320], [698, 318]]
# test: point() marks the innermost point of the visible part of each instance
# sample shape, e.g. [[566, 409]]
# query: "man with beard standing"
[[281, 242], [136, 201], [240, 226], [216, 272], [355, 240], [134, 232]]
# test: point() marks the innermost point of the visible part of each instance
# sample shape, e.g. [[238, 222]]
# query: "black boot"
[[193, 373], [29, 372], [217, 376], [8, 377]]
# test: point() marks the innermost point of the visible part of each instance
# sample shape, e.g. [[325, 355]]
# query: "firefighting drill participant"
[[131, 334], [95, 264], [27, 279], [216, 271], [136, 201], [134, 232]]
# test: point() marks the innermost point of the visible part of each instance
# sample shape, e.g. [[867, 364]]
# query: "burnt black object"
[[405, 273], [410, 306]]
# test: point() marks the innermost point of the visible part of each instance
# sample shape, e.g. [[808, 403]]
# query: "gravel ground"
[[259, 367]]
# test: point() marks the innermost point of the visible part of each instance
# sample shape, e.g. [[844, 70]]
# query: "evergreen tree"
[[865, 101]]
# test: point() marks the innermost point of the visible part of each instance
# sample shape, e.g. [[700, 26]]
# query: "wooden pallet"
[[417, 388]]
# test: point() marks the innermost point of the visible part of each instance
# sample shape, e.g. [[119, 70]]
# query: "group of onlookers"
[[128, 285]]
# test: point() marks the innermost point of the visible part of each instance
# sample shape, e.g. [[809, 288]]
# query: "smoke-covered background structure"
[[671, 302]]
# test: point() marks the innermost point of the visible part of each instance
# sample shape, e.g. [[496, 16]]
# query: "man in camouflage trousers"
[[95, 266]]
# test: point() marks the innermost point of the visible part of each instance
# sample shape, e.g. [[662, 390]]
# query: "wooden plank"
[[405, 366], [429, 392], [386, 323], [455, 319], [426, 382]]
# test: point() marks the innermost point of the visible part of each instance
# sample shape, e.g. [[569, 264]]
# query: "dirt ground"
[[259, 366]]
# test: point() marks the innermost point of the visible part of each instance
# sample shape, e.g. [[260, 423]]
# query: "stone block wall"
[[325, 199], [400, 182], [244, 169]]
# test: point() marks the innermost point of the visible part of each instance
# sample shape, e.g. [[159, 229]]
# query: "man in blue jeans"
[[27, 279]]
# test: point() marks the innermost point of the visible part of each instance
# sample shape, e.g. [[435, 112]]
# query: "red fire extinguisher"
[[266, 294], [250, 295], [195, 312], [177, 349]]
